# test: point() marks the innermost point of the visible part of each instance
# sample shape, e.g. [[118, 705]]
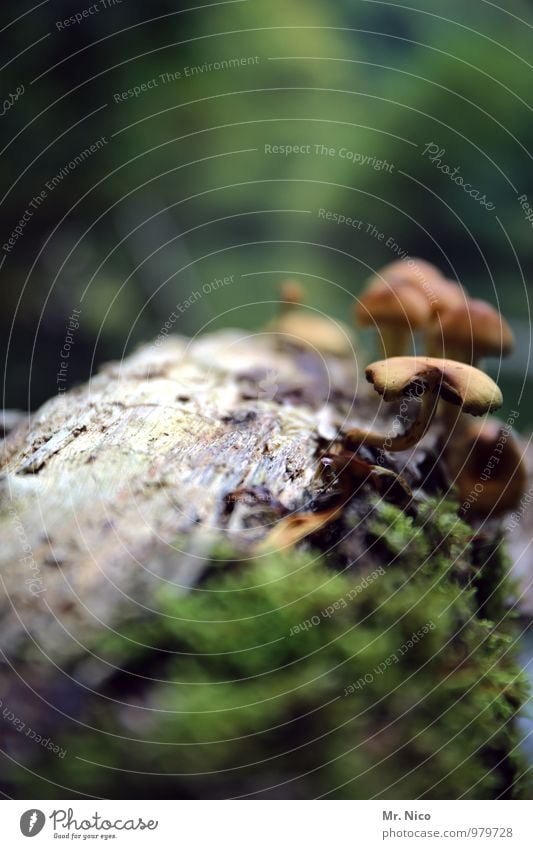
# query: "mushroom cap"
[[292, 292], [474, 327], [308, 330], [471, 456], [402, 305], [465, 386]]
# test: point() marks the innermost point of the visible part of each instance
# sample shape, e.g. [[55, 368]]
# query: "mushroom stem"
[[417, 428]]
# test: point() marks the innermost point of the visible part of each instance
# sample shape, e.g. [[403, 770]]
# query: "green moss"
[[282, 673]]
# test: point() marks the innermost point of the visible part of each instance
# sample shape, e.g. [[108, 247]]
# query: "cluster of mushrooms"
[[483, 457]]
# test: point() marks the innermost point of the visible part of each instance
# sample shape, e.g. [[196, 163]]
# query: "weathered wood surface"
[[123, 483]]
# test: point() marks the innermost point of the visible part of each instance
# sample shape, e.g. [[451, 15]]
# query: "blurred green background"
[[182, 191]]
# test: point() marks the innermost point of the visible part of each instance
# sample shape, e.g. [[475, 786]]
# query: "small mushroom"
[[292, 294], [349, 471], [444, 295], [294, 528], [426, 379], [488, 468], [305, 329], [396, 311], [469, 332], [411, 270]]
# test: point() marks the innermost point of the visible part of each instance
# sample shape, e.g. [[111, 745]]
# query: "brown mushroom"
[[488, 468], [441, 293], [396, 311], [444, 295], [426, 379], [470, 332], [294, 528]]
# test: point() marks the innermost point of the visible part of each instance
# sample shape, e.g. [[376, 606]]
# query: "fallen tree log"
[[148, 634]]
